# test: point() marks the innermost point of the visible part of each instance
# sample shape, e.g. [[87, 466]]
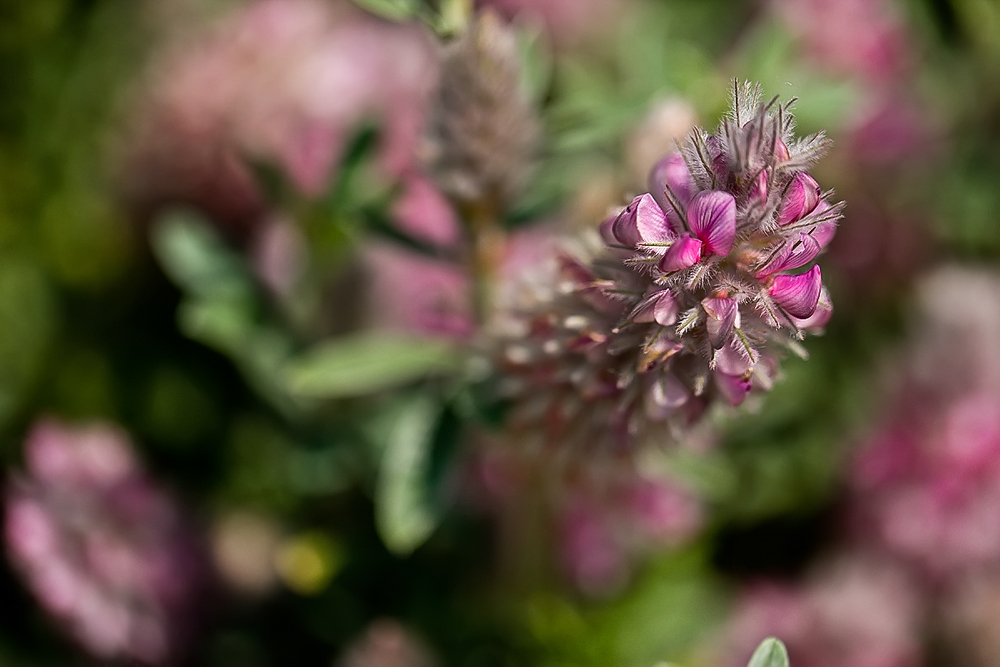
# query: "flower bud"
[[800, 199], [723, 316], [671, 176], [798, 295], [758, 192], [683, 253], [795, 253], [660, 307], [642, 221]]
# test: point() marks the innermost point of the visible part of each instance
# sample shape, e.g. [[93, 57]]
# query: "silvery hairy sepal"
[[703, 284]]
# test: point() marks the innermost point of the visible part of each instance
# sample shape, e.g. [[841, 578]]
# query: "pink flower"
[[663, 322], [856, 37], [683, 253], [856, 611], [659, 307], [800, 199], [711, 216], [408, 292], [793, 254], [723, 316], [102, 548], [424, 213], [798, 295], [670, 178], [289, 81], [642, 221], [927, 480], [592, 557]]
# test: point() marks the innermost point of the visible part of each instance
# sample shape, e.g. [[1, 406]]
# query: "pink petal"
[[424, 213], [734, 387], [652, 221], [798, 295], [824, 233], [624, 227], [665, 395], [797, 252], [720, 165], [758, 192], [800, 199], [642, 221], [606, 230], [712, 218], [685, 252], [659, 307], [723, 315], [733, 358], [816, 322], [671, 172], [781, 153]]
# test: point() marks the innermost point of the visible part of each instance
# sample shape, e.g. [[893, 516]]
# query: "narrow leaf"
[[770, 653], [404, 514], [364, 363]]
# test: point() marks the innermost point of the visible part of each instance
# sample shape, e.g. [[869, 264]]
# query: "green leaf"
[[196, 259], [770, 653], [404, 514], [365, 363], [394, 10]]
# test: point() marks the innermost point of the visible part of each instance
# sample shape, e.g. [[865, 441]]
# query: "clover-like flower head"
[[702, 285]]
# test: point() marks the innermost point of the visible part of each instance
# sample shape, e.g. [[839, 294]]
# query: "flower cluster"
[[926, 483], [703, 283], [854, 611], [483, 133], [101, 548], [287, 81]]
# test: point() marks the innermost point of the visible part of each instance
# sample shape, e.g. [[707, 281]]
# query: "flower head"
[[101, 548], [703, 283]]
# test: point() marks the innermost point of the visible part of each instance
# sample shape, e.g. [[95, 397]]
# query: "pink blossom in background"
[[592, 557], [425, 214], [890, 128], [879, 248], [603, 532], [288, 81], [567, 20], [416, 294], [865, 38], [852, 612], [927, 480], [279, 254], [662, 513], [869, 42], [103, 550], [387, 643]]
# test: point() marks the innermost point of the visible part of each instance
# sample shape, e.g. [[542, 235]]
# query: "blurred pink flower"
[[286, 81], [854, 37], [386, 643], [425, 214], [592, 557], [927, 481], [417, 294], [279, 254], [567, 20], [891, 127], [853, 612], [101, 547], [604, 531]]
